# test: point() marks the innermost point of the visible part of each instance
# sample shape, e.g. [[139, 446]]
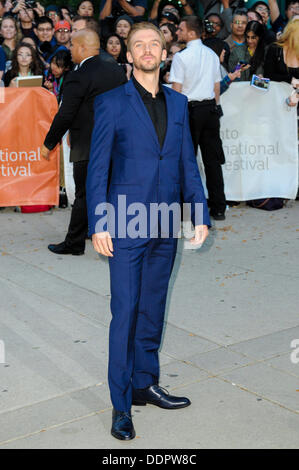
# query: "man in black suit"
[[93, 76]]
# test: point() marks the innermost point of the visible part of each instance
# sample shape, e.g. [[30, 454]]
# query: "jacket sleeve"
[[99, 160], [191, 185], [74, 91]]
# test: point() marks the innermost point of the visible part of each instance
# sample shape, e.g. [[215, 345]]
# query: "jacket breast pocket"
[[124, 188]]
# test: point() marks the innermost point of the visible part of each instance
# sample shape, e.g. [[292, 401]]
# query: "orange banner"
[[26, 178]]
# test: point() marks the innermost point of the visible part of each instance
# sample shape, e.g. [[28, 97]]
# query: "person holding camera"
[[157, 12], [212, 25], [114, 8], [225, 9], [20, 5]]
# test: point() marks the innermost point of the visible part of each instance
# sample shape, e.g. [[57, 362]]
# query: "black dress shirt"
[[156, 108]]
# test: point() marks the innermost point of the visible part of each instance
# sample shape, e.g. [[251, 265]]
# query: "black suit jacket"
[[76, 114]]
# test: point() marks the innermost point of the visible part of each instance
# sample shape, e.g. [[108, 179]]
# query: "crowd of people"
[[251, 37], [261, 40]]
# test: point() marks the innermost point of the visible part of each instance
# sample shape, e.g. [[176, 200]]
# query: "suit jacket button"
[[161, 158]]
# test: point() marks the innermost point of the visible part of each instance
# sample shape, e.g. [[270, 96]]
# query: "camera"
[[208, 27], [30, 3]]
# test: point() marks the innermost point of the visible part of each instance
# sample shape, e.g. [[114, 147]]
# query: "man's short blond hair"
[[143, 25]]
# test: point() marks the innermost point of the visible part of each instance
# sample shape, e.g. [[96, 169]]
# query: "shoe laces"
[[163, 390], [123, 414]]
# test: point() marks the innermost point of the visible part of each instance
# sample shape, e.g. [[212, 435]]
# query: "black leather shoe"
[[156, 395], [218, 215], [63, 249], [122, 425]]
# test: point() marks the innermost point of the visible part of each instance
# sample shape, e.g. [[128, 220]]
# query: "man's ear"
[[129, 57], [164, 55]]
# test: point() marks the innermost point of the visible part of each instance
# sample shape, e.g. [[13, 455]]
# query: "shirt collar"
[[82, 62], [194, 42], [143, 92]]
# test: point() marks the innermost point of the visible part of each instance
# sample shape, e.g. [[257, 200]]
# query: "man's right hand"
[[102, 243]]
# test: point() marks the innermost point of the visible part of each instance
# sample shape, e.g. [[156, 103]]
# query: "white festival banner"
[[260, 141]]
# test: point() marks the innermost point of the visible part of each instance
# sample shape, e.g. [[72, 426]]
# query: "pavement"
[[228, 344]]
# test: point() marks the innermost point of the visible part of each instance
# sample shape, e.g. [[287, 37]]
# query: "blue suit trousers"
[[139, 275]]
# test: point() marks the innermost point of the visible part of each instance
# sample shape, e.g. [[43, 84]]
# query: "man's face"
[[78, 25], [123, 28], [44, 32], [63, 35], [264, 12], [76, 50], [182, 32], [216, 24], [53, 15], [239, 25], [146, 50], [292, 10]]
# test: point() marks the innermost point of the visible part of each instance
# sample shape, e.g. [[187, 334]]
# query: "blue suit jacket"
[[126, 158]]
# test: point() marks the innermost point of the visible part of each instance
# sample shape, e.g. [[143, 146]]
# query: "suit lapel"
[[139, 107], [170, 115]]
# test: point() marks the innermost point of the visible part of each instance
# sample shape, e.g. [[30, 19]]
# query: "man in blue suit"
[[141, 156]]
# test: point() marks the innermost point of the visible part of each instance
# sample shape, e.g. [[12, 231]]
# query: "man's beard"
[[147, 68]]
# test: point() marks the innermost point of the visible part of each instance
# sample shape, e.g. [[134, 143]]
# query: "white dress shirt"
[[197, 69]]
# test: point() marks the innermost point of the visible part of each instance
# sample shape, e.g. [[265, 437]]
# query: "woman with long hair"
[[115, 46], [60, 65], [282, 59], [169, 33], [24, 63], [252, 53]]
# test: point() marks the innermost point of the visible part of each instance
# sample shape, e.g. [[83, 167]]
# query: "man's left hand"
[[201, 233], [45, 152]]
